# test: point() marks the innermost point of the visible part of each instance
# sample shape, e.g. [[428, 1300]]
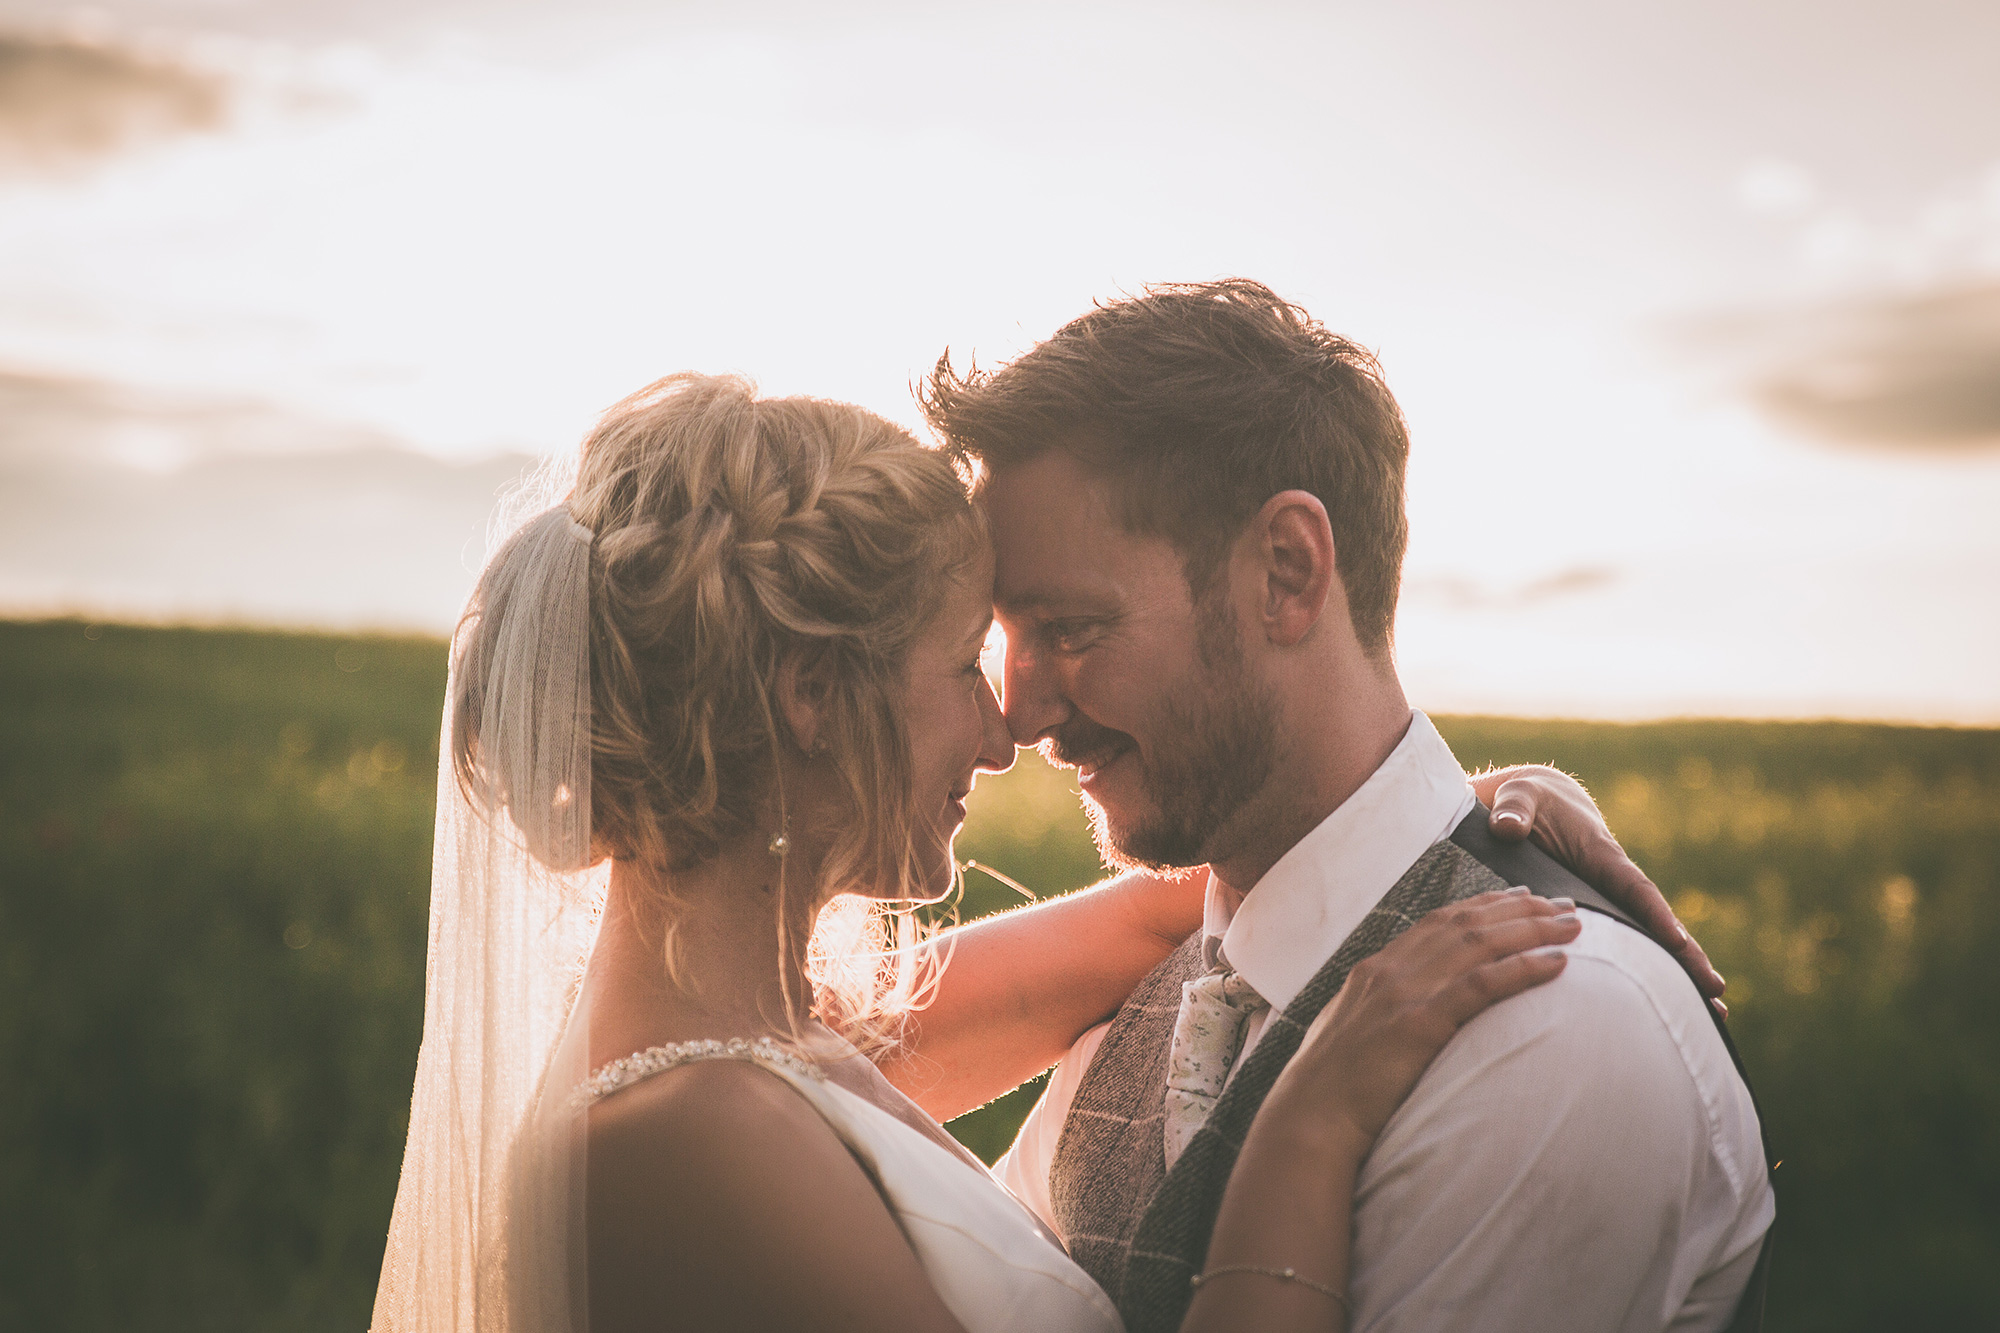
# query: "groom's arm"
[[1022, 986], [1582, 1157]]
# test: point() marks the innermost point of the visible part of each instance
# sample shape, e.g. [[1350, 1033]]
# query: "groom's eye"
[[1071, 636]]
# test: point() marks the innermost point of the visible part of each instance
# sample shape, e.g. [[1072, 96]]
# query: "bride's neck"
[[729, 973]]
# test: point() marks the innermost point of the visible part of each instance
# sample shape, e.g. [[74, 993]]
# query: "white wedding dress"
[[995, 1268]]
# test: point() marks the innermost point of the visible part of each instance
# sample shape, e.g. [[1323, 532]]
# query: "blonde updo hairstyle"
[[734, 535]]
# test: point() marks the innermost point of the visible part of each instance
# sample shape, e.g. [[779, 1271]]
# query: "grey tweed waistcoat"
[[1141, 1230]]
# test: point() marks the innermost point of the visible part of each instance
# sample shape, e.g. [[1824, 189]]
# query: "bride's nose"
[[996, 743]]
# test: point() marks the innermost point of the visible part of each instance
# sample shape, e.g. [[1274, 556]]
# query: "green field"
[[214, 855]]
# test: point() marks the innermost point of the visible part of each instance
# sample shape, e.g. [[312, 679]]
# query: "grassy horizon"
[[214, 862]]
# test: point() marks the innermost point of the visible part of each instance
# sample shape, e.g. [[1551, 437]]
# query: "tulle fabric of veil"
[[487, 1234]]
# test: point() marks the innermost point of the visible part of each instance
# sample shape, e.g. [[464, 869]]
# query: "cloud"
[[67, 101], [49, 420], [124, 502], [1459, 593], [1901, 371], [1773, 187]]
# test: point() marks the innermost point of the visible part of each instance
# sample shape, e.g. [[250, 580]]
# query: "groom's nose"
[[1031, 694]]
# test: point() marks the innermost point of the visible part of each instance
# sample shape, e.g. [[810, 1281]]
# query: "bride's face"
[[954, 722]]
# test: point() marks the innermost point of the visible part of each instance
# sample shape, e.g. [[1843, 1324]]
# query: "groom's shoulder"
[[1622, 1032], [1621, 989], [1604, 1107], [1622, 999], [1618, 967]]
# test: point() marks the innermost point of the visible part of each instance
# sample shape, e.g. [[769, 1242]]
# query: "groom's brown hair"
[[1199, 402]]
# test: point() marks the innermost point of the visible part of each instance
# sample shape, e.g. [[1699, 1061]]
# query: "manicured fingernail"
[[1563, 902], [1518, 888], [1508, 817], [1565, 917]]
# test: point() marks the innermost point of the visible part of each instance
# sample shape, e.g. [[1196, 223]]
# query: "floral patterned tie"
[[1207, 1036]]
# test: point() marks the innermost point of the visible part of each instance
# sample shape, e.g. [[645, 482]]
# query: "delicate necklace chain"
[[641, 1065]]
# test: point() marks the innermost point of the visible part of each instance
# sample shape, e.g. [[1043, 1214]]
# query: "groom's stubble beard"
[[1218, 749]]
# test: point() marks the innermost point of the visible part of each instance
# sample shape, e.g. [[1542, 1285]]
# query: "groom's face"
[[1115, 669]]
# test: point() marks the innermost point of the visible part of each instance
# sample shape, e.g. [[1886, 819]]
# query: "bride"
[[710, 728]]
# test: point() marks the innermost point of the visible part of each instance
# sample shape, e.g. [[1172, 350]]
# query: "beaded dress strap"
[[641, 1065]]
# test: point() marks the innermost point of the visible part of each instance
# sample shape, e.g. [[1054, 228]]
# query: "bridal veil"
[[487, 1229]]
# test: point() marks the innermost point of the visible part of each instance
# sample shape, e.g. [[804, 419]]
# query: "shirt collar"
[[1293, 919]]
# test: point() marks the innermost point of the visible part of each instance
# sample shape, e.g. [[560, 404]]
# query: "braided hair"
[[736, 534]]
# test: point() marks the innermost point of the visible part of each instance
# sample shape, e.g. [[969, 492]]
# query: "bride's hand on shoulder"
[[1398, 1008], [1548, 805]]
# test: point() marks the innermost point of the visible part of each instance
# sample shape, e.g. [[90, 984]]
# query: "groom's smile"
[[1086, 747], [1113, 669]]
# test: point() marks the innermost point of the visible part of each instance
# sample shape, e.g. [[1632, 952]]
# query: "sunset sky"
[[1694, 310]]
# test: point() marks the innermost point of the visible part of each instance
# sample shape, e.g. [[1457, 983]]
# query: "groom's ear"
[[1293, 543]]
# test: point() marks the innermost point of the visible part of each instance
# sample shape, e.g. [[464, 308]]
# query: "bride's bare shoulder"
[[687, 1118], [692, 1089], [720, 1182]]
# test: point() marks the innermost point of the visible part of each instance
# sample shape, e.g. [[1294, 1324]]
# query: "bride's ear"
[[802, 691]]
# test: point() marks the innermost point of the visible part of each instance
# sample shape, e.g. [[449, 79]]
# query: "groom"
[[1197, 504]]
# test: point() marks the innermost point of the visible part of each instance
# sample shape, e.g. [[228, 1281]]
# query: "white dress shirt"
[[1580, 1157]]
